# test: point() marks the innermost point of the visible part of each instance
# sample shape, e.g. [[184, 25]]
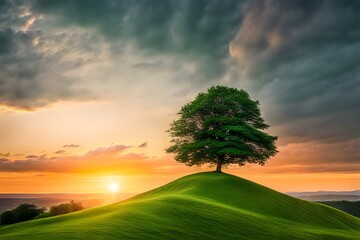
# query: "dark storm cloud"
[[34, 65], [197, 31], [298, 57], [302, 59]]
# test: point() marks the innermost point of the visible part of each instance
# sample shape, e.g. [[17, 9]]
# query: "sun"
[[113, 187]]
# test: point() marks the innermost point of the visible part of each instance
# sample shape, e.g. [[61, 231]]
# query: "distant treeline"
[[352, 208], [27, 211]]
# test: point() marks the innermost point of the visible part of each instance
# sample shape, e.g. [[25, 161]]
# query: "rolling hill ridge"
[[199, 206]]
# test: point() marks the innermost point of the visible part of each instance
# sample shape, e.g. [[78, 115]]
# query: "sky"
[[88, 89]]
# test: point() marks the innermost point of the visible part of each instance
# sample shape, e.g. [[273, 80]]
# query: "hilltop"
[[198, 206]]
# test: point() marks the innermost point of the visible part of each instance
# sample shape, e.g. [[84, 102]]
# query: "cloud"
[[106, 150], [119, 159], [113, 159], [312, 153], [18, 155], [90, 161], [4, 160], [60, 152], [39, 175], [143, 145], [37, 65], [327, 168], [48, 47], [186, 33], [312, 157], [300, 58], [72, 146]]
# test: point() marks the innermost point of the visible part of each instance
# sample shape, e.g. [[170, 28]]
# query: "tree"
[[66, 208], [21, 213], [222, 126], [26, 211], [7, 217]]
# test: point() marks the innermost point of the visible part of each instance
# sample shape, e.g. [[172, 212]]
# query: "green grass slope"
[[199, 206]]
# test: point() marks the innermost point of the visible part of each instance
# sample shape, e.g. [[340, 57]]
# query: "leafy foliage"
[[221, 126], [7, 217], [23, 212], [65, 208], [26, 212]]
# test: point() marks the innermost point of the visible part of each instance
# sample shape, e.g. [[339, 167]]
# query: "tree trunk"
[[218, 166]]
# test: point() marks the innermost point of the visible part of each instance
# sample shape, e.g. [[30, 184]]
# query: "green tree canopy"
[[66, 208], [21, 213], [222, 126]]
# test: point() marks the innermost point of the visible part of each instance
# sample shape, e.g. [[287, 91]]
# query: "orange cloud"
[[113, 159], [120, 159], [140, 172]]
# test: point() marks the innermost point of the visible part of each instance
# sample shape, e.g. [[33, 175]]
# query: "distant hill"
[[331, 197], [328, 195], [199, 206], [352, 208]]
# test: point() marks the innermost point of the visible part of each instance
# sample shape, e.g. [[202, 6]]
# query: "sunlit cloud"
[[28, 23], [120, 159], [71, 146], [113, 159], [60, 152], [143, 145]]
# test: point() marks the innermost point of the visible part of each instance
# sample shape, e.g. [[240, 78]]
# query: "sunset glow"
[[113, 187], [87, 94]]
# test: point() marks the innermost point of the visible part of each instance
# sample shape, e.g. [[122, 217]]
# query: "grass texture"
[[199, 206]]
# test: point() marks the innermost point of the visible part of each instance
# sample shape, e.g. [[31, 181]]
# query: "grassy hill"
[[199, 206]]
